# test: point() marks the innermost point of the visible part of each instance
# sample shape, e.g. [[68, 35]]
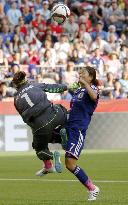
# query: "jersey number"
[[27, 98]]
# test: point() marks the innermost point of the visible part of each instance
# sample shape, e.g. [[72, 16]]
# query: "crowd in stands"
[[96, 34]]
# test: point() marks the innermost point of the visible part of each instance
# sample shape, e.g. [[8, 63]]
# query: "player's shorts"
[[75, 142]]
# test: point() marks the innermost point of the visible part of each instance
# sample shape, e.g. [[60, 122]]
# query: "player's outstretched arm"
[[53, 88]]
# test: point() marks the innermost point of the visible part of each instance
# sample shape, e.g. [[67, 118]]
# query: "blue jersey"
[[82, 108]]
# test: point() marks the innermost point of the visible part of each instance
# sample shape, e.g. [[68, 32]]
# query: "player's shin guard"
[[83, 178]]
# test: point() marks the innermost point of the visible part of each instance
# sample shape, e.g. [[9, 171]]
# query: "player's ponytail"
[[19, 79]]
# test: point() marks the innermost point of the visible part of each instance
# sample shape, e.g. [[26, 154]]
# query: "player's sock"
[[83, 178], [90, 186], [48, 164]]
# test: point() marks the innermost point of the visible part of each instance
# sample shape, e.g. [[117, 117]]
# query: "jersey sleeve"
[[53, 88]]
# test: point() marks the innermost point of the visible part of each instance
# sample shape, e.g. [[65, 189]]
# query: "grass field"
[[20, 186]]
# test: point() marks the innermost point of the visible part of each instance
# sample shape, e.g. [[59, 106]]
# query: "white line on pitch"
[[59, 180]]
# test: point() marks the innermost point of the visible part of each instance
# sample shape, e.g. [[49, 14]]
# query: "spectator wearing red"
[[85, 18]]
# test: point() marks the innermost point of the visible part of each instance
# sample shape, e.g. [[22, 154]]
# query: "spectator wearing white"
[[114, 64], [71, 27], [124, 81], [62, 47], [3, 62], [70, 75], [14, 14], [80, 47], [83, 35], [118, 92], [113, 43], [44, 11], [97, 61], [124, 51], [48, 45], [26, 43], [23, 55], [48, 61], [101, 44], [108, 86], [112, 30]]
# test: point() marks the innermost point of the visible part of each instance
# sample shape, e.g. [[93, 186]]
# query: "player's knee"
[[70, 165], [44, 155]]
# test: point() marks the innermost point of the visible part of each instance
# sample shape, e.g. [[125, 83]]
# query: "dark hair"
[[92, 72], [19, 79]]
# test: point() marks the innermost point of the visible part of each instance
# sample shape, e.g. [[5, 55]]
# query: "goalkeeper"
[[41, 115]]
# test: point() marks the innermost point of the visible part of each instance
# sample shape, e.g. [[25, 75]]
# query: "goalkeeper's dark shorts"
[[44, 134]]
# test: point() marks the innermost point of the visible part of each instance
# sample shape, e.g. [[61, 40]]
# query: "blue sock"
[[80, 174]]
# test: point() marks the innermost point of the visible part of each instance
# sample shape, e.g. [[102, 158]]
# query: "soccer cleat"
[[45, 171], [58, 164], [93, 194]]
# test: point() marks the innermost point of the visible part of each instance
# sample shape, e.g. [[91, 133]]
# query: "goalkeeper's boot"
[[64, 138], [58, 164], [45, 171], [93, 194]]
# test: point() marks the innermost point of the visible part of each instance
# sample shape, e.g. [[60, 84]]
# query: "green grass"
[[100, 165]]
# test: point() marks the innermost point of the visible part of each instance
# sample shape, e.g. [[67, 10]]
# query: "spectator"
[[71, 27], [48, 61], [75, 57], [123, 51], [99, 31], [116, 16], [112, 30], [4, 93], [84, 36], [114, 64], [101, 44], [27, 15], [124, 82], [23, 55], [118, 92], [14, 14], [85, 19], [97, 61], [44, 11], [2, 14], [99, 10], [70, 76], [3, 61], [62, 47], [108, 86]]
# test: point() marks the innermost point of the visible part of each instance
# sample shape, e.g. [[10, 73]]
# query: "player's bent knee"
[[69, 164], [44, 155]]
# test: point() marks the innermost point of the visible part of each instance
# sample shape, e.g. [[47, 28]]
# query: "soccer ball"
[[60, 13]]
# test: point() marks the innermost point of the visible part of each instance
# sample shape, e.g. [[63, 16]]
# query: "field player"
[[41, 115], [82, 105]]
